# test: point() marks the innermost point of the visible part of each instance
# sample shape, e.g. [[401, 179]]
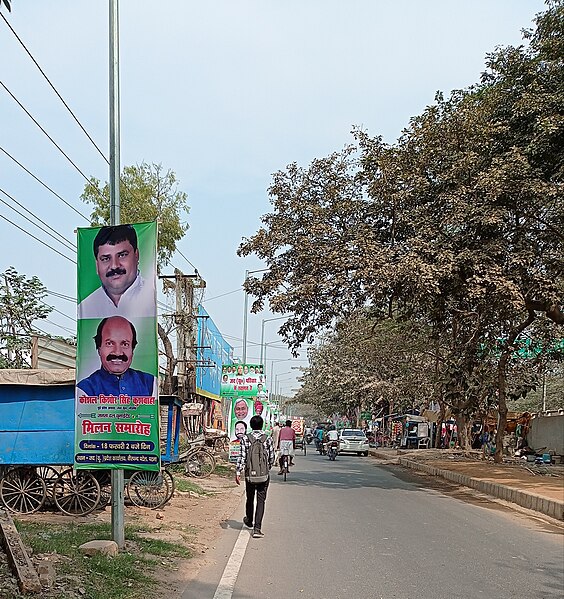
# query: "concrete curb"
[[548, 507]]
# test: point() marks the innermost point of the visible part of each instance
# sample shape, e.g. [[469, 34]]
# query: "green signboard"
[[116, 402]]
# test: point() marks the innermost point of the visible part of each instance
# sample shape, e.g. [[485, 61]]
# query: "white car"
[[353, 440]]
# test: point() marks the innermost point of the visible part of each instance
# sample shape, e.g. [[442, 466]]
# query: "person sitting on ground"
[[287, 443]]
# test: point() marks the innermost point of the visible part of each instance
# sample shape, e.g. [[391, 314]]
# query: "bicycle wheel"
[[22, 490], [304, 447], [149, 489], [76, 494], [200, 464]]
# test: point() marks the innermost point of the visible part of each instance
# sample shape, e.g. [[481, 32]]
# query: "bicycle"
[[285, 463], [198, 461]]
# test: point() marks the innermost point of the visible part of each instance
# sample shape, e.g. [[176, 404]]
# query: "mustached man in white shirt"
[[123, 292]]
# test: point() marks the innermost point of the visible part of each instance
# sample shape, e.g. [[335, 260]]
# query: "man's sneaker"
[[247, 522], [257, 534]]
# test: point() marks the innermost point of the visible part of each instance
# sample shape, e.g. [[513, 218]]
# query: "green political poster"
[[116, 401]]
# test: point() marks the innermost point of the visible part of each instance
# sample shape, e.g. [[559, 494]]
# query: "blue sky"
[[224, 93]]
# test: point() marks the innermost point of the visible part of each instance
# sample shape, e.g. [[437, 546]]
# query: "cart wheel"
[[221, 444], [76, 494], [22, 490], [304, 447], [49, 476], [147, 488], [201, 464], [104, 479]]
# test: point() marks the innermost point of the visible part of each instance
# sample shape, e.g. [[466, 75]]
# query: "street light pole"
[[262, 335], [246, 315], [117, 476], [245, 321]]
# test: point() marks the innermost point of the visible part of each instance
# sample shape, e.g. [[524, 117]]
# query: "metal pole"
[[262, 341], [245, 321], [117, 476]]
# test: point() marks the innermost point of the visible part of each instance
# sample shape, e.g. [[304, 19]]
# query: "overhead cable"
[[54, 89], [49, 137], [44, 184], [37, 239], [62, 240]]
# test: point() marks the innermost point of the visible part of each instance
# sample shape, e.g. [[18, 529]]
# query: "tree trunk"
[[463, 425], [502, 386], [501, 407]]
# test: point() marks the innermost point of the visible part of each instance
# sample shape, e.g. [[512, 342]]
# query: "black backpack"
[[257, 469]]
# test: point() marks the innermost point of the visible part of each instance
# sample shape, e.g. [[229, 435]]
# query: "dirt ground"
[[190, 519], [547, 481]]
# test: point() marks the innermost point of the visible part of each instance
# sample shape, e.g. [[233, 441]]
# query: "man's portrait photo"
[[115, 342], [241, 409], [123, 290]]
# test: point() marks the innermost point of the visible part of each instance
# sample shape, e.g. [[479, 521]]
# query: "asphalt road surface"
[[357, 530]]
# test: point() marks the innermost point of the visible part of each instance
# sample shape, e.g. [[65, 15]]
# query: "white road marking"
[[229, 578]]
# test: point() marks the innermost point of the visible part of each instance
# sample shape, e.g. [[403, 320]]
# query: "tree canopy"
[[458, 226], [21, 304], [147, 193]]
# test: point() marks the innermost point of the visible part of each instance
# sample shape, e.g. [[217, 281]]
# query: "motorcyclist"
[[332, 437], [318, 437]]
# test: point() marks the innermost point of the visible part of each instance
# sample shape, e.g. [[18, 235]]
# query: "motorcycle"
[[308, 438], [332, 450]]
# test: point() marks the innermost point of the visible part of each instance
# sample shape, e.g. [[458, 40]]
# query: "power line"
[[44, 184], [49, 137], [54, 89], [73, 332], [58, 311], [61, 296], [209, 299], [37, 239], [190, 263], [68, 244]]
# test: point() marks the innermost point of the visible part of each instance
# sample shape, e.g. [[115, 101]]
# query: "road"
[[355, 529]]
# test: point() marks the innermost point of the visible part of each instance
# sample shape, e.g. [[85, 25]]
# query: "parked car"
[[353, 440]]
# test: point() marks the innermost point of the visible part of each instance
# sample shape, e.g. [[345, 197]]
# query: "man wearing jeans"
[[251, 489]]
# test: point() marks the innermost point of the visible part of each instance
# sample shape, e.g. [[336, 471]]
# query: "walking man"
[[255, 459]]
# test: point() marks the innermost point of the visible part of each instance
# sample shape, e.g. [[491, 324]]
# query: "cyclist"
[[287, 441]]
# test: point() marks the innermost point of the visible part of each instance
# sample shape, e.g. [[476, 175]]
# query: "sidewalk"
[[540, 489]]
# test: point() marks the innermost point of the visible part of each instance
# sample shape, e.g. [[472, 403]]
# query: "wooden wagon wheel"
[[147, 488], [221, 444], [200, 464], [22, 490], [49, 476], [76, 494], [104, 479]]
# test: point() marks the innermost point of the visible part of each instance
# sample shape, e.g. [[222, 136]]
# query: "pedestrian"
[[255, 460]]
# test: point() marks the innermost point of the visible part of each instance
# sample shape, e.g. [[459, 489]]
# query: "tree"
[[458, 226], [20, 306], [146, 193], [368, 365]]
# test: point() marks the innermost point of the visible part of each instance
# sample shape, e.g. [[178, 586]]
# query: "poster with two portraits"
[[245, 386], [117, 404]]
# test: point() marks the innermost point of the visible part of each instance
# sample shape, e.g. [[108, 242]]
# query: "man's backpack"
[[256, 470]]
